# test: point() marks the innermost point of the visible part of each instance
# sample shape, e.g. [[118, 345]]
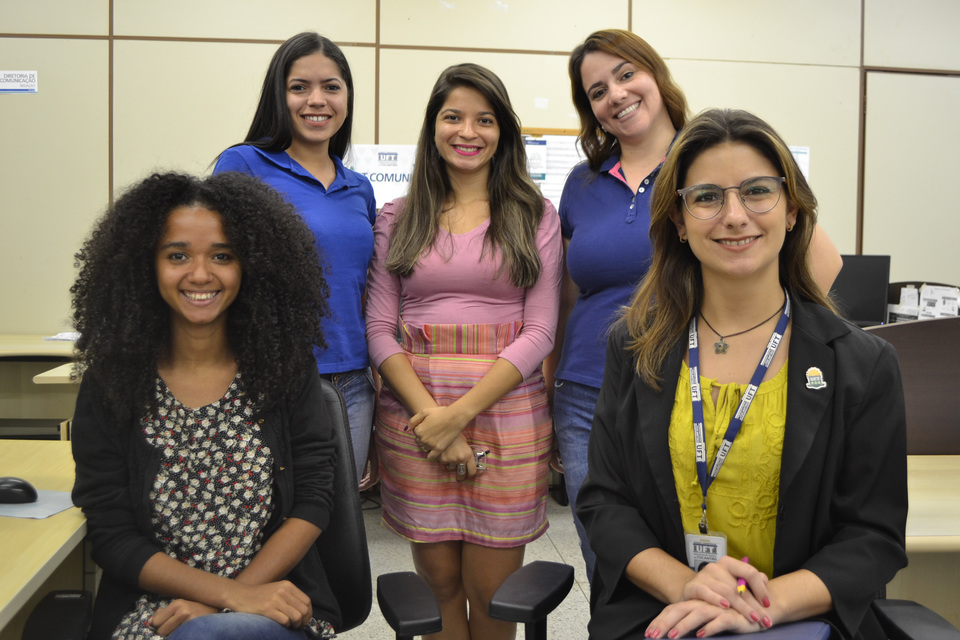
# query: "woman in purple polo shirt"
[[299, 134], [630, 111]]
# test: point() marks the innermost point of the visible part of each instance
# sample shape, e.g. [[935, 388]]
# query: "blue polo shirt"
[[341, 217], [608, 227]]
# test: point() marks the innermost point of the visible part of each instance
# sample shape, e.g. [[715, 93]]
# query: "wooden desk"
[[933, 537], [57, 375], [22, 345], [27, 410], [33, 550]]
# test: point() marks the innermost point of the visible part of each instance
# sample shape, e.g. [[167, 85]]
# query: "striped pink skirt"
[[504, 506]]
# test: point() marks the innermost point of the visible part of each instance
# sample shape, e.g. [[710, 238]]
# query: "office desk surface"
[[933, 522], [57, 375], [33, 549], [22, 345]]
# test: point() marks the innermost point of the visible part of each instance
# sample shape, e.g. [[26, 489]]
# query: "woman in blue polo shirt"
[[299, 134], [630, 111]]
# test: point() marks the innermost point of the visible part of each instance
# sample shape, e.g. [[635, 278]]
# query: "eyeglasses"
[[759, 195]]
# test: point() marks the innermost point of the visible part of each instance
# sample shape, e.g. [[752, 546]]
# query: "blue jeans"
[[573, 407], [360, 397], [234, 626]]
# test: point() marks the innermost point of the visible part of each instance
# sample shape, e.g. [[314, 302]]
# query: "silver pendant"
[[720, 347]]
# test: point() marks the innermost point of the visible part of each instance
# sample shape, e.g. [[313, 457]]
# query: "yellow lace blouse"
[[742, 501]]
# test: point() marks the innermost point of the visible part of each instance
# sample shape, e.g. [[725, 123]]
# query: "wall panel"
[[922, 34], [353, 21], [74, 17], [809, 106], [910, 170], [53, 176], [537, 86], [497, 24], [179, 104], [813, 32]]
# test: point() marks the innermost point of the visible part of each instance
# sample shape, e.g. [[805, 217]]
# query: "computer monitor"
[[861, 288]]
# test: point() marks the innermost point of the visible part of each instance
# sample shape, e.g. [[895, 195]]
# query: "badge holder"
[[704, 547]]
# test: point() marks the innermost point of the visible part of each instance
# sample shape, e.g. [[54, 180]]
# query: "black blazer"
[[843, 478], [115, 472]]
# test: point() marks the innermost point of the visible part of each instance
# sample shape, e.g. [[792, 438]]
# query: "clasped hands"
[[281, 601], [711, 604], [438, 432]]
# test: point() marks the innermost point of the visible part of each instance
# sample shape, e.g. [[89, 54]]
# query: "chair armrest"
[[532, 592], [908, 620], [65, 615], [407, 604]]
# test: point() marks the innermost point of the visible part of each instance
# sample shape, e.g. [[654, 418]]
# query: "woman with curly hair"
[[299, 134], [467, 268], [204, 467], [747, 464]]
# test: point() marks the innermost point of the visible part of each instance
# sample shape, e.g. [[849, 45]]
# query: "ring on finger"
[[461, 469]]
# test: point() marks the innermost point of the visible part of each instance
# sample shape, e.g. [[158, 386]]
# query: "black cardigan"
[[843, 480], [116, 468]]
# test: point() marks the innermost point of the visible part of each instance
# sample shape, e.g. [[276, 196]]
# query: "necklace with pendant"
[[720, 346]]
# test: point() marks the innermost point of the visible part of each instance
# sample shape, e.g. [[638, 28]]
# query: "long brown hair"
[[598, 145], [516, 204], [672, 290]]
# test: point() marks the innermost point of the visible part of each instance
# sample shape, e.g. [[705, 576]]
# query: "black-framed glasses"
[[759, 195]]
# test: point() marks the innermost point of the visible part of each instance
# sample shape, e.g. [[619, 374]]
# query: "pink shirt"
[[452, 285]]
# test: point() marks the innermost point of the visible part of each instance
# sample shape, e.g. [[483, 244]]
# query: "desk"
[[26, 409], [42, 546], [933, 536], [57, 375], [23, 345]]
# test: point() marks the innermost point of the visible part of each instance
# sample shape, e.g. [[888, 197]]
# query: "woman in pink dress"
[[466, 272]]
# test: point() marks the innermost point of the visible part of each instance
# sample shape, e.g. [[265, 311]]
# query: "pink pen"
[[741, 583]]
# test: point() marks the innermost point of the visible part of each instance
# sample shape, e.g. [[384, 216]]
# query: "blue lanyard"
[[693, 347]]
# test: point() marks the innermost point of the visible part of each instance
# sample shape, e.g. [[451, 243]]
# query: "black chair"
[[408, 605], [907, 620], [342, 546], [527, 597]]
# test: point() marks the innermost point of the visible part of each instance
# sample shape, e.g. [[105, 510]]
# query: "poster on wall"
[[550, 158], [387, 166]]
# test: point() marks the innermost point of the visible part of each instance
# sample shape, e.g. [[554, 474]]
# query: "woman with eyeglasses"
[[630, 111], [748, 456], [296, 144], [462, 309]]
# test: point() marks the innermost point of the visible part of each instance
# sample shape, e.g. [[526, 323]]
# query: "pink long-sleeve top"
[[452, 285]]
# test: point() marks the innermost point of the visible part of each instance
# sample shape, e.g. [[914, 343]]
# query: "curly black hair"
[[124, 323]]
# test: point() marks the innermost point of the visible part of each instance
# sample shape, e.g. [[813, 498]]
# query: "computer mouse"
[[16, 491]]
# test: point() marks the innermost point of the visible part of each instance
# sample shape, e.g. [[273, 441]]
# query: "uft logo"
[[815, 379]]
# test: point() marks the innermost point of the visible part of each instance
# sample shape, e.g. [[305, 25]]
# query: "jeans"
[[573, 407], [360, 397], [234, 626]]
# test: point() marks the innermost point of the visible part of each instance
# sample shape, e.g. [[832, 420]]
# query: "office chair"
[[66, 615], [526, 597]]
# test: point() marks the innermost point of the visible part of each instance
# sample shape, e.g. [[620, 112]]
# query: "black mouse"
[[16, 491]]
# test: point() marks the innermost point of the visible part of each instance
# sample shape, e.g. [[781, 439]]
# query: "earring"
[[789, 228], [683, 240]]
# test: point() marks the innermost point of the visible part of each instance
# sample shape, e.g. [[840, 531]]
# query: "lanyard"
[[737, 420]]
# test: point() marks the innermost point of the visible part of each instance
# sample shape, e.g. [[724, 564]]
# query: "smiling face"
[[198, 273], [736, 243], [467, 131], [624, 98], [316, 100]]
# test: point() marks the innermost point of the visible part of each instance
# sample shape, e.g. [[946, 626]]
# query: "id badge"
[[704, 549]]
